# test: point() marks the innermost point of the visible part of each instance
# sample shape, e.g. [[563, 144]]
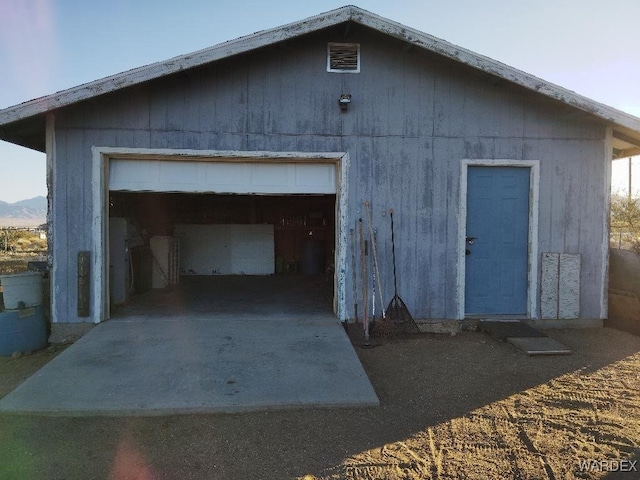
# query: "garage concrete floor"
[[214, 344], [250, 295]]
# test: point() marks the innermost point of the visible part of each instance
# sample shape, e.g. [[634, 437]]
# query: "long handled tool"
[[373, 294], [376, 272], [363, 277], [397, 311], [354, 275]]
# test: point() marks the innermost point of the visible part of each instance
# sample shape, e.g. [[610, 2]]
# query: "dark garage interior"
[[278, 237]]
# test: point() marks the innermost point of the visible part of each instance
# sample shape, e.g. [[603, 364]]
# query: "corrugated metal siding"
[[411, 121]]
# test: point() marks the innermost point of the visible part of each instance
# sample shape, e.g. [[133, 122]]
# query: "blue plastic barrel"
[[22, 330]]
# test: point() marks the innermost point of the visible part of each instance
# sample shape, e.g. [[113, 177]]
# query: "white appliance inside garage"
[[119, 261], [165, 261], [226, 249]]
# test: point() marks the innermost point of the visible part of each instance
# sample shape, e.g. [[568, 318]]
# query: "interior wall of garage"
[[221, 234], [413, 117]]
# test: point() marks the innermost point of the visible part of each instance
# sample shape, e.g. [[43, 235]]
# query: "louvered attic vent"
[[343, 57]]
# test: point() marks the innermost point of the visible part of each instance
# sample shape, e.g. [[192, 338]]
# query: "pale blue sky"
[[51, 45]]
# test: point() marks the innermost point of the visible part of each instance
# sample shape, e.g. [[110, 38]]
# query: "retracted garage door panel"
[[221, 177]]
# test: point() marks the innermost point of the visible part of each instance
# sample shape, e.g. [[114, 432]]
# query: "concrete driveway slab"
[[193, 363]]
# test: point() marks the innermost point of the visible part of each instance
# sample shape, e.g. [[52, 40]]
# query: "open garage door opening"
[[215, 253]]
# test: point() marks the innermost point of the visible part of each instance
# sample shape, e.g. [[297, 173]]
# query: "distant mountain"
[[25, 213], [35, 202]]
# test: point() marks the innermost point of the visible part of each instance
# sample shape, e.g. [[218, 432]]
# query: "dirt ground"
[[452, 407]]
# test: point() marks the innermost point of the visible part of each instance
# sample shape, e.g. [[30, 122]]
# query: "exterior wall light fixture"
[[344, 101]]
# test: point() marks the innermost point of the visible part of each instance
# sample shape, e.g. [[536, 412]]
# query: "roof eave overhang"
[[627, 125], [625, 143]]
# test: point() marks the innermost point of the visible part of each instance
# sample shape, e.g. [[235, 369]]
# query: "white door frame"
[[100, 181], [532, 270]]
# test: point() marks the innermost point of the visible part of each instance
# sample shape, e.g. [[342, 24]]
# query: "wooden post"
[[84, 282], [629, 177]]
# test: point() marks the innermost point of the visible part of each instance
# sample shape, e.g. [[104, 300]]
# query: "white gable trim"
[[309, 25], [176, 64]]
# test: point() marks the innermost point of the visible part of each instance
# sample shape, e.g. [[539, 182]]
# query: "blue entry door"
[[497, 240]]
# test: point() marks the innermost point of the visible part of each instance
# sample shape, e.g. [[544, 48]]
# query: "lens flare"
[[28, 49]]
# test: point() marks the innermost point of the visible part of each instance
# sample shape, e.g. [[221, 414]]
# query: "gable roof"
[[22, 123]]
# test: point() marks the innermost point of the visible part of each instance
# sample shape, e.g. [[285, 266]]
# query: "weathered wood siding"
[[412, 119]]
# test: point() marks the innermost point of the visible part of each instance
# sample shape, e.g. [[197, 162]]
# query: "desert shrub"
[[14, 240], [625, 221]]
